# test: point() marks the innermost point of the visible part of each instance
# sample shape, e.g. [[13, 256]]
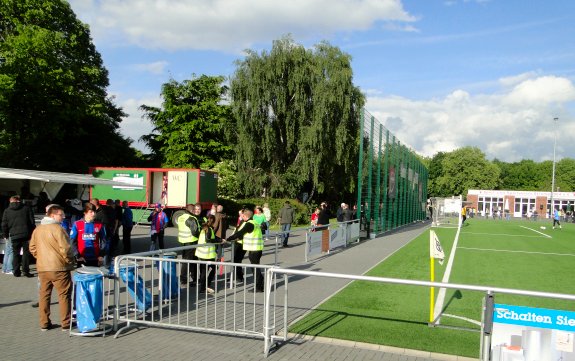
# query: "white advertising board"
[[337, 237], [313, 244]]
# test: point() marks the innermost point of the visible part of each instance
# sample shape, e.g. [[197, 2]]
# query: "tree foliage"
[[297, 114], [463, 169], [53, 101], [189, 127]]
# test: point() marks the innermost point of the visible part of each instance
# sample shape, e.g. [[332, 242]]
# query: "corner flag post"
[[435, 251]]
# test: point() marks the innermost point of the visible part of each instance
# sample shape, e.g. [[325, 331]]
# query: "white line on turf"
[[475, 322], [536, 231], [510, 251], [441, 294], [502, 234]]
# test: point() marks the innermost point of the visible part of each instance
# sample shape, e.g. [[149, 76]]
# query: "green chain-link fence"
[[392, 181]]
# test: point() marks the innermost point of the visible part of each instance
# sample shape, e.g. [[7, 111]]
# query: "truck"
[[174, 188]]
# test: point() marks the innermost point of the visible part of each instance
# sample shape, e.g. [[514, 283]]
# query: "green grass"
[[397, 316]]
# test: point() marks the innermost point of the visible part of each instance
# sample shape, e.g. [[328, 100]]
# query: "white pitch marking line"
[[536, 231], [502, 234], [510, 251]]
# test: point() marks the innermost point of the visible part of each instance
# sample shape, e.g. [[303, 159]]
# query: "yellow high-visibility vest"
[[254, 241], [207, 252]]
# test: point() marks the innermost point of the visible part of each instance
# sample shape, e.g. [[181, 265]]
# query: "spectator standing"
[[55, 259], [17, 226], [260, 218], [127, 225], [268, 215], [314, 217], [339, 213], [323, 217], [286, 216], [347, 213], [159, 221], [220, 223], [88, 238], [117, 222]]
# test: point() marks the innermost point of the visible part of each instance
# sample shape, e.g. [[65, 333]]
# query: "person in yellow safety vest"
[[207, 253], [463, 215], [189, 227], [249, 234]]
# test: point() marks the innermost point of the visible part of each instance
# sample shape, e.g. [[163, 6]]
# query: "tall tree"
[[189, 128], [463, 169], [297, 114], [53, 99]]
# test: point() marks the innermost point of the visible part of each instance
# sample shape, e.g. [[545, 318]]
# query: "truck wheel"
[[175, 217]]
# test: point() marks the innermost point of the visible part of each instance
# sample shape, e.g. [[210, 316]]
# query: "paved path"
[[21, 338]]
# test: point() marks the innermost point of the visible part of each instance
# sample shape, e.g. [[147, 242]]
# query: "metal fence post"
[[487, 326]]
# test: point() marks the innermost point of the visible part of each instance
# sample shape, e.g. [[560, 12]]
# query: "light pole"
[[552, 210]]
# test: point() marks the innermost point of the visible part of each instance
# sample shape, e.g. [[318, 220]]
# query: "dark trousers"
[[160, 238], [207, 272], [127, 239], [24, 259], [254, 257], [189, 254], [239, 255]]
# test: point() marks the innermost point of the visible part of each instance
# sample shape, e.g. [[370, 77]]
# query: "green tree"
[[524, 175], [53, 99], [189, 128], [228, 185], [297, 114], [463, 169]]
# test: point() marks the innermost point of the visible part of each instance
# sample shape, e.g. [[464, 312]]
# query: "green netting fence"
[[392, 181]]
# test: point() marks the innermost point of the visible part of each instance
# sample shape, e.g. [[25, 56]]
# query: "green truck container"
[[174, 188]]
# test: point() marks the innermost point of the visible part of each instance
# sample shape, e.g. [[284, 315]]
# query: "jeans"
[[285, 228], [267, 235], [8, 255]]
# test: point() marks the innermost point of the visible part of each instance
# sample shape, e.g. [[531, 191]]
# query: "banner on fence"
[[533, 333], [313, 244]]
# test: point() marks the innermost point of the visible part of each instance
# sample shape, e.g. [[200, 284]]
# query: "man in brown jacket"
[[54, 261]]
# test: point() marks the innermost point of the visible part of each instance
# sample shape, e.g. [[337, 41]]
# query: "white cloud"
[[229, 25], [134, 126], [515, 124], [156, 68]]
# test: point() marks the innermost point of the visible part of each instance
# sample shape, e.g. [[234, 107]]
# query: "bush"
[[232, 207]]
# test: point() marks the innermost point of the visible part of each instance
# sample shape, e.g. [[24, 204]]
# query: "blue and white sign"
[[534, 317]]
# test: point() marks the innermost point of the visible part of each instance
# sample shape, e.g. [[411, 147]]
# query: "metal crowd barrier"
[[148, 292]]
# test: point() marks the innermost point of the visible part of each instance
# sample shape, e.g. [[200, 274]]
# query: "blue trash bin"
[[170, 286], [89, 300], [136, 287]]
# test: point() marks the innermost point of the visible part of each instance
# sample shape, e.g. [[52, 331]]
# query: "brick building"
[[519, 203]]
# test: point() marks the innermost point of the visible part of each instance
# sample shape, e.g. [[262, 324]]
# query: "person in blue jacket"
[[159, 221]]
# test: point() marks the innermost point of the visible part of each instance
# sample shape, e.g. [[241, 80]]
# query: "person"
[[17, 226], [127, 225], [286, 216], [314, 216], [323, 216], [268, 214], [88, 238], [189, 227], [220, 223], [213, 210], [54, 261], [101, 216], [339, 213], [463, 215], [252, 242], [207, 253], [159, 221], [556, 218], [260, 218], [117, 207], [429, 208], [347, 213]]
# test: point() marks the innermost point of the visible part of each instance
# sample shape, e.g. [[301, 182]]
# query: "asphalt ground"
[[22, 339]]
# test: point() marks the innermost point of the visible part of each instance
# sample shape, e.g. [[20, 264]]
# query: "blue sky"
[[439, 74]]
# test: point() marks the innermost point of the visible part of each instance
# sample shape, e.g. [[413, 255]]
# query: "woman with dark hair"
[[207, 253], [88, 238]]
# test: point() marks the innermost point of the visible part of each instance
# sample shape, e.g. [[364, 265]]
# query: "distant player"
[[556, 218], [463, 215]]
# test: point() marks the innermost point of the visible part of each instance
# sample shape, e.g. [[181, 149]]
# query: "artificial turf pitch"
[[509, 254]]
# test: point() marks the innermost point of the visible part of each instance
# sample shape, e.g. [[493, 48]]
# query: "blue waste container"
[[169, 280], [89, 298], [136, 287]]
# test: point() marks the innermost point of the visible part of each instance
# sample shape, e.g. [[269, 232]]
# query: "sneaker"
[[210, 291], [28, 275], [8, 273], [47, 327]]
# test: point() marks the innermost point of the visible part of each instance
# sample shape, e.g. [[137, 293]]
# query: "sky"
[[439, 74]]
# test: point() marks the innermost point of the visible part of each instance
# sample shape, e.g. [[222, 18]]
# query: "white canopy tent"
[[49, 182]]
